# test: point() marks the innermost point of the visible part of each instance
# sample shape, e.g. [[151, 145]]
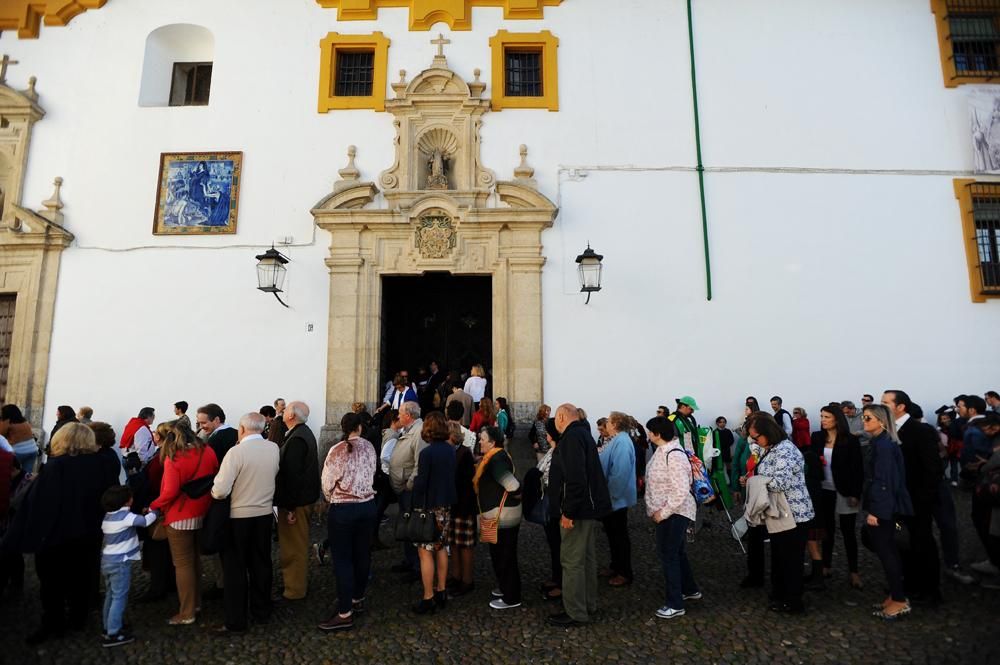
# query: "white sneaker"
[[496, 593], [985, 567], [693, 596], [669, 613], [959, 576], [498, 604]]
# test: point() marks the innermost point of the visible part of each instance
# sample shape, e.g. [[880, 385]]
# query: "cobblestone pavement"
[[727, 626]]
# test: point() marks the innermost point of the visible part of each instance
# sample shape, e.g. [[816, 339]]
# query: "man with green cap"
[[683, 420]]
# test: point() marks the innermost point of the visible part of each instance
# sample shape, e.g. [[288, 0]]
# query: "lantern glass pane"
[[590, 274]]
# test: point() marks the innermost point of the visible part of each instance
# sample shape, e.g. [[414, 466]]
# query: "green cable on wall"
[[697, 142]]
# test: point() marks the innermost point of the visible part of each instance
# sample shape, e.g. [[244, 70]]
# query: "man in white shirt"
[[246, 476]]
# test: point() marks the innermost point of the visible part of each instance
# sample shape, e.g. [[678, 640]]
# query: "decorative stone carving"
[[349, 175], [462, 229], [524, 174], [31, 246], [436, 235]]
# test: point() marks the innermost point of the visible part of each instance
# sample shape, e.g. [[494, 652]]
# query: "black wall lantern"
[[271, 272], [590, 269]]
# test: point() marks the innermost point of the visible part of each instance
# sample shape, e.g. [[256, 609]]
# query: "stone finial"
[[349, 175], [400, 87], [477, 87], [30, 93], [53, 205], [524, 174]]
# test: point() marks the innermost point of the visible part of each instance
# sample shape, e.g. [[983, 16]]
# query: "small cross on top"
[[4, 63], [440, 43]]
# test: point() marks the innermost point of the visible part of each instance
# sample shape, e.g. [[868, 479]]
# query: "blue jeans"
[[27, 460], [671, 546], [350, 529], [117, 578]]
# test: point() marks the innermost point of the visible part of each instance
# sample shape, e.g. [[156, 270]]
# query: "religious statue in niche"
[[437, 166]]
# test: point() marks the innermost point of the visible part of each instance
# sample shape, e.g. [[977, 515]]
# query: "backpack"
[[701, 483]]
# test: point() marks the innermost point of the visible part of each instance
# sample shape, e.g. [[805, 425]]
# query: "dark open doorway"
[[436, 316]]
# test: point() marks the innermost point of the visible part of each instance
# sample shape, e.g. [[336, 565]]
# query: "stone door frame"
[[366, 244]]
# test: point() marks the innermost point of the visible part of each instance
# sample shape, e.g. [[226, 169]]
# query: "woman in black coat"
[[60, 522], [843, 480]]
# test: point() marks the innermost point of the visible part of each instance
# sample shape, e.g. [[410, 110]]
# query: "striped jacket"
[[120, 540]]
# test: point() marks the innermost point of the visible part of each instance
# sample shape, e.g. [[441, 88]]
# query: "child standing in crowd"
[[121, 548]]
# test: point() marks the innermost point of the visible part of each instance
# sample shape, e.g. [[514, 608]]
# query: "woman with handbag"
[[782, 463], [347, 484], [499, 516], [434, 491], [885, 499], [185, 458]]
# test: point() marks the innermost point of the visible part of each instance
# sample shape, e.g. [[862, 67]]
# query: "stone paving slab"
[[729, 625]]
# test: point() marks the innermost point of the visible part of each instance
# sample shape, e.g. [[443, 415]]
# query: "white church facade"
[[812, 210]]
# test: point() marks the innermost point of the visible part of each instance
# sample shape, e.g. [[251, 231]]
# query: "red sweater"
[[176, 505], [478, 422], [128, 434], [800, 432]]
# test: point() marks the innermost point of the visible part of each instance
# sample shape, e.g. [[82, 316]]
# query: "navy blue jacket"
[[975, 443], [434, 486], [886, 494]]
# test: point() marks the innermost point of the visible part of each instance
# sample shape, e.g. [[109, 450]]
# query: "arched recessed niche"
[[177, 66]]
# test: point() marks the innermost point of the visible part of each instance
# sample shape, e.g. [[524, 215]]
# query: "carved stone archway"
[[473, 225], [31, 245]]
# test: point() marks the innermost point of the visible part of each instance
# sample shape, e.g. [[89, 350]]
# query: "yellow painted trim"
[[456, 14], [329, 46], [964, 195], [26, 16], [951, 77], [548, 45]]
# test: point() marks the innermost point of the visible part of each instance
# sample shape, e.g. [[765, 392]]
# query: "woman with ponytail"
[[347, 478]]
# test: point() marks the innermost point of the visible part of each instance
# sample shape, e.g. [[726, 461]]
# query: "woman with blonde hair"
[[886, 499], [475, 385], [60, 522], [185, 457]]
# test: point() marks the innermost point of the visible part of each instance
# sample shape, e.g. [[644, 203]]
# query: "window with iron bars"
[[974, 35], [986, 216], [523, 73], [355, 73]]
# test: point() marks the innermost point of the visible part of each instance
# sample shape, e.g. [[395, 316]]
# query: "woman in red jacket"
[[486, 416], [185, 457], [801, 434]]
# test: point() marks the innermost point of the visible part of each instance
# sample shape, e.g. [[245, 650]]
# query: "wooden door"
[[7, 303]]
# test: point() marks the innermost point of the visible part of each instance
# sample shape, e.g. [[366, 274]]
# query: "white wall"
[[826, 285], [164, 47]]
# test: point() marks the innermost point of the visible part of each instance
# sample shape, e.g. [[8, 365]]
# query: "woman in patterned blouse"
[[783, 464], [671, 505]]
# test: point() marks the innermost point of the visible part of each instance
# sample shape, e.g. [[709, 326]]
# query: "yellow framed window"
[[980, 206], [525, 70], [969, 40], [353, 71]]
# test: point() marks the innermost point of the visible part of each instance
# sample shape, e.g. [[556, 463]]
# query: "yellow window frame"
[[948, 69], [963, 192], [329, 47], [544, 42]]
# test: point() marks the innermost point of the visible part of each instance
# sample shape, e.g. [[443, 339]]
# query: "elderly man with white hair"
[[296, 489], [246, 477]]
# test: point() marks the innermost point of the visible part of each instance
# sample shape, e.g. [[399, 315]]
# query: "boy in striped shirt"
[[121, 548]]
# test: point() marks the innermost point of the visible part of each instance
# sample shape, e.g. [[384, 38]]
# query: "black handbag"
[[200, 486], [416, 525]]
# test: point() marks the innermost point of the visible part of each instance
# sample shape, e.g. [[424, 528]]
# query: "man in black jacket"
[[221, 437], [924, 470], [584, 501], [296, 489]]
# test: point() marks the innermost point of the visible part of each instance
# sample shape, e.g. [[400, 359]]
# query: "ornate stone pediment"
[[438, 118]]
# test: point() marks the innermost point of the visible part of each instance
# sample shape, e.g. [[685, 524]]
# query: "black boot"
[[425, 606], [441, 599]]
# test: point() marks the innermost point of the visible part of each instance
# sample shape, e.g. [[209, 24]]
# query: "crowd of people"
[[206, 491]]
